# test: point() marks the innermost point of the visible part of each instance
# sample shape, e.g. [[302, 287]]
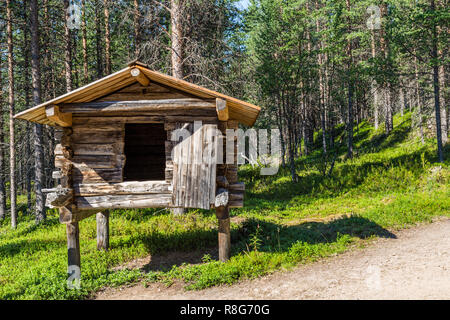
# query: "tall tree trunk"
[[350, 89], [2, 154], [107, 39], [434, 54], [442, 86], [177, 38], [402, 99], [385, 49], [84, 42], [67, 48], [26, 67], [12, 145], [98, 41], [374, 85], [38, 147], [322, 106], [418, 100], [136, 29]]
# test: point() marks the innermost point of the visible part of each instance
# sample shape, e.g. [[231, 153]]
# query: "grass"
[[393, 182]]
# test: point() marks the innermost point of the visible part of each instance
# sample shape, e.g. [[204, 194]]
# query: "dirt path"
[[416, 265]]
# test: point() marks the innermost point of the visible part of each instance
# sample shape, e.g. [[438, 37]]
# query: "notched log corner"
[[221, 198], [58, 197]]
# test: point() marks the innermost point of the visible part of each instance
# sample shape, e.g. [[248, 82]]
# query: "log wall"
[[91, 157]]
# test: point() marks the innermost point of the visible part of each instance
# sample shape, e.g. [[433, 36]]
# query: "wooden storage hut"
[[114, 149]]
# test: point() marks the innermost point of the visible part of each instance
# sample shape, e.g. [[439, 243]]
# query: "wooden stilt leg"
[[223, 216], [103, 230], [178, 211], [73, 245]]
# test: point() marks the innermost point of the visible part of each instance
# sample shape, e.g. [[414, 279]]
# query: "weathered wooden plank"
[[59, 197], [94, 161], [96, 127], [194, 175], [137, 106], [100, 137], [95, 149], [123, 201], [236, 196], [88, 175], [147, 117], [123, 188]]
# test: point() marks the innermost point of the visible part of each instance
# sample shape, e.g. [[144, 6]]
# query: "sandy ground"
[[416, 265]]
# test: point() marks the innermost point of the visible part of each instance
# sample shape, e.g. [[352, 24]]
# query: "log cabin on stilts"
[[142, 139]]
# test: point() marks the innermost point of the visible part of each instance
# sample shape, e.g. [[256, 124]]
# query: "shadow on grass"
[[271, 237], [346, 177]]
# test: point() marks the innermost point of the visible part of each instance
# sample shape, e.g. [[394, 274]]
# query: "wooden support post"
[[73, 245], [178, 211], [103, 230], [223, 216]]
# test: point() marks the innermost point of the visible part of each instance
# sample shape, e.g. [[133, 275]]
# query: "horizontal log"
[[95, 161], [236, 197], [99, 137], [88, 175], [58, 197], [131, 96], [65, 152], [134, 187], [140, 105], [123, 201], [239, 186], [96, 149], [236, 204], [127, 117], [96, 127]]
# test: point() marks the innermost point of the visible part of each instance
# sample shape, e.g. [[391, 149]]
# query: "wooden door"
[[194, 165]]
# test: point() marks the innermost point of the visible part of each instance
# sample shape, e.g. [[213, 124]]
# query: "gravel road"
[[415, 265]]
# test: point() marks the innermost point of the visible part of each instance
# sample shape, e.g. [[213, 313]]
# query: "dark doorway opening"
[[145, 152]]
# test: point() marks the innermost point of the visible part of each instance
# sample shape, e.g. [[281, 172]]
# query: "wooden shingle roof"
[[244, 112]]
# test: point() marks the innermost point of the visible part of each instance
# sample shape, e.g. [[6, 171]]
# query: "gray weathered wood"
[[132, 187], [123, 201], [141, 105], [58, 197], [73, 245], [103, 230], [194, 169]]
